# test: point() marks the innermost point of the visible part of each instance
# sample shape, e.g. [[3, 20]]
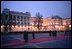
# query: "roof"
[[56, 17]]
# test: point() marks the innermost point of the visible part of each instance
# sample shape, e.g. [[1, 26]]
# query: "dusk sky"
[[46, 8]]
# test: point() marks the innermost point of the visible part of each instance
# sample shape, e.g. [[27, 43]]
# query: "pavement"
[[40, 41]]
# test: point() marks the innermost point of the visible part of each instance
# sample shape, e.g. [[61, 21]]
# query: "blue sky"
[[46, 8]]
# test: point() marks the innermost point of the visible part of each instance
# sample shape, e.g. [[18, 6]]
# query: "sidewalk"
[[37, 40]]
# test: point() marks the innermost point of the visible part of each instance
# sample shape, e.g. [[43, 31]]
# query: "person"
[[26, 37], [65, 31], [54, 34], [49, 33], [33, 35], [70, 32]]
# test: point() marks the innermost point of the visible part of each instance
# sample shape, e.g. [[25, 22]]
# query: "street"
[[41, 41]]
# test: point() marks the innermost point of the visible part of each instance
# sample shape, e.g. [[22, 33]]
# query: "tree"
[[38, 21], [7, 21]]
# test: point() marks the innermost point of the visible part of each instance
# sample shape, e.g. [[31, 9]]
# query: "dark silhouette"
[[66, 30], [26, 37], [50, 33], [70, 32], [7, 20], [54, 33], [38, 21], [33, 34]]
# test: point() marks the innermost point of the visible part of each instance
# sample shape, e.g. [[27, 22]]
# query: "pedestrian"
[[26, 37], [49, 33], [54, 34], [65, 32], [70, 32], [33, 34]]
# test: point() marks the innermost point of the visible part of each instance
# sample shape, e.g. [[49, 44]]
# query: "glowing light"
[[32, 24], [1, 26], [23, 26], [64, 23], [48, 23], [56, 26], [56, 23], [42, 24], [20, 26], [69, 25], [12, 26], [51, 26], [35, 27], [30, 27], [16, 26], [63, 26], [51, 23], [26, 26]]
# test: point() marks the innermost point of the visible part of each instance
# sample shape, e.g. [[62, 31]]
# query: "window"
[[25, 23], [18, 18], [21, 18], [14, 17], [28, 18], [22, 23], [24, 17], [28, 23], [18, 22], [6, 16]]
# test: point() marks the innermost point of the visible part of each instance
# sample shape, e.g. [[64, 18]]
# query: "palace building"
[[19, 21]]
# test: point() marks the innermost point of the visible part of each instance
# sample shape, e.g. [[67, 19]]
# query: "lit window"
[[36, 27], [63, 26], [64, 23], [42, 24], [51, 26], [16, 26], [42, 27], [56, 23], [56, 26], [51, 23], [45, 24], [26, 26], [29, 26], [2, 26]]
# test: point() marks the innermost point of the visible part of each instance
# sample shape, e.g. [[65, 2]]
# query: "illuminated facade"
[[19, 21], [24, 22]]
